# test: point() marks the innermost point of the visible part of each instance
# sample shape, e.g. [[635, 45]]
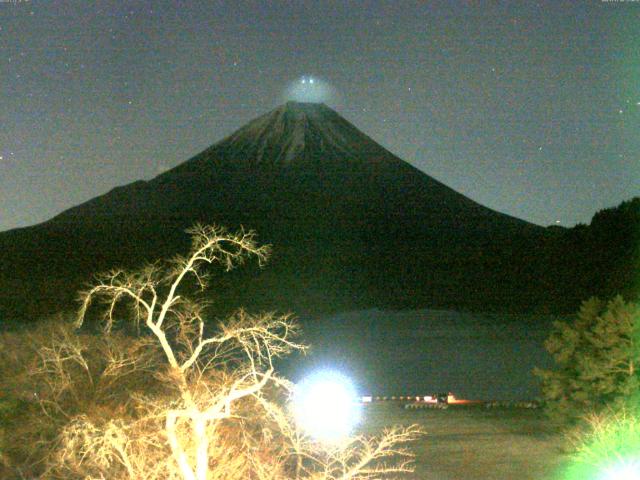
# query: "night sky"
[[530, 108]]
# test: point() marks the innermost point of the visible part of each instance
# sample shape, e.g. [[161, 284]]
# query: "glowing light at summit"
[[310, 89]]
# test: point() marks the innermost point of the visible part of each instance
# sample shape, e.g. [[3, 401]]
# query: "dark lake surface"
[[475, 356]]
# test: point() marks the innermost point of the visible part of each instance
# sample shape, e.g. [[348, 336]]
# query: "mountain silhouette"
[[352, 226]]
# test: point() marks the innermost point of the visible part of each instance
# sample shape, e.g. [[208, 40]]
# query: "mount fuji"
[[352, 226]]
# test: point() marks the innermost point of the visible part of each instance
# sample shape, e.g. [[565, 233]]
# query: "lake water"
[[475, 356]]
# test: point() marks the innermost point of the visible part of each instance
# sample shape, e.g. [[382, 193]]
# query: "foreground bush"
[[606, 447], [50, 374], [185, 401]]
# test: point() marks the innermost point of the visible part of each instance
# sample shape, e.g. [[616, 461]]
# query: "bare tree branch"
[[216, 409]]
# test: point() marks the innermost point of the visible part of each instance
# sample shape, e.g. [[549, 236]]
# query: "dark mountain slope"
[[352, 226]]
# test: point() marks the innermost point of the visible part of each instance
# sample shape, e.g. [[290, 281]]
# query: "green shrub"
[[606, 447], [597, 357]]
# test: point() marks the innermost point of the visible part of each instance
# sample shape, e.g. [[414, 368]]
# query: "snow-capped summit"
[[291, 132], [296, 133]]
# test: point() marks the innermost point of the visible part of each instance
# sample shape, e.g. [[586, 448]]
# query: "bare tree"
[[217, 409]]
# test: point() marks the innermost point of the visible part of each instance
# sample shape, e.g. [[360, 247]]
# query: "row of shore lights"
[[408, 398]]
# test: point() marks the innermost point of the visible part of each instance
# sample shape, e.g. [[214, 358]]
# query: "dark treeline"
[[602, 258], [522, 272]]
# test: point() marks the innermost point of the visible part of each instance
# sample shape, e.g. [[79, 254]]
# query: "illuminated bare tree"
[[216, 411]]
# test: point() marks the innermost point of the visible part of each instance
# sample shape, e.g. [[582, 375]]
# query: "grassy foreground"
[[474, 443]]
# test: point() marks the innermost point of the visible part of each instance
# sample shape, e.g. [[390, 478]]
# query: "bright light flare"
[[326, 406], [629, 470]]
